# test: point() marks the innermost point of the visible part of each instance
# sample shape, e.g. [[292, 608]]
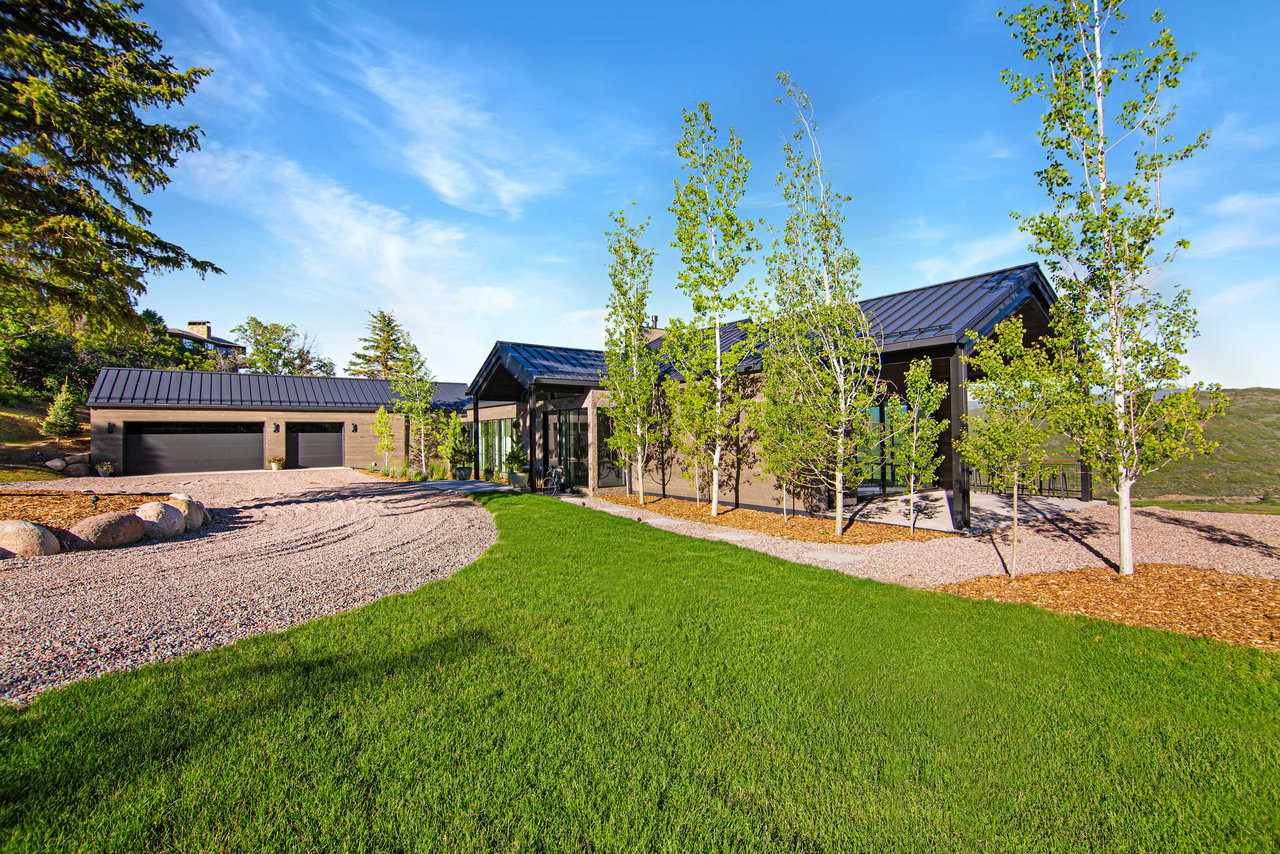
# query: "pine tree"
[[61, 422], [388, 351]]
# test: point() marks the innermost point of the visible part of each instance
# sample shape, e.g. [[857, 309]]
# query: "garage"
[[191, 446], [313, 444]]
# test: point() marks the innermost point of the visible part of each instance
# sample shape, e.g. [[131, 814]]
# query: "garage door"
[[165, 448], [313, 444]]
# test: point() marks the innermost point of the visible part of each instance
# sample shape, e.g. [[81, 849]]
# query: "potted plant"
[[463, 453], [105, 468], [518, 467], [276, 463]]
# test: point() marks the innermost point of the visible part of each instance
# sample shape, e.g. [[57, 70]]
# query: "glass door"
[[567, 448]]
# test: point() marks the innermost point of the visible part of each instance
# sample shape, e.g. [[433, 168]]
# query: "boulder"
[[182, 495], [76, 470], [160, 520], [77, 458], [108, 530], [56, 464], [26, 539], [192, 512]]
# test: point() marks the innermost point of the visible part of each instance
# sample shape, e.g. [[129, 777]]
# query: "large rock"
[[192, 512], [109, 530], [76, 469], [77, 458], [56, 464], [182, 495], [26, 539], [161, 520]]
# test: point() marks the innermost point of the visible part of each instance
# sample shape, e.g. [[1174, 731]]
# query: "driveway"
[[285, 547]]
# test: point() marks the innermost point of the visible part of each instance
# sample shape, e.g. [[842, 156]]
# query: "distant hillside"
[[1247, 460]]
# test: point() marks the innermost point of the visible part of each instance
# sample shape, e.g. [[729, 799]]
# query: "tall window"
[[609, 472]]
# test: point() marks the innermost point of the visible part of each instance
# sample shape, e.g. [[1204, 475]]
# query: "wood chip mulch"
[[63, 508], [1237, 609], [801, 528]]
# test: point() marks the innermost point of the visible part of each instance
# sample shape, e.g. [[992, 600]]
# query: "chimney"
[[200, 327], [654, 331]]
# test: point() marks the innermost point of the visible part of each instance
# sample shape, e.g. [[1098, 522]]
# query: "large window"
[[610, 472], [494, 440], [565, 444]]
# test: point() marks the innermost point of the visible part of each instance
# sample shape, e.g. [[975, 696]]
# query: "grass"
[[597, 684], [1261, 508], [15, 473], [1246, 462]]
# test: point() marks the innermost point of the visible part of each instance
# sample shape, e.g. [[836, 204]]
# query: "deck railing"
[[1068, 479]]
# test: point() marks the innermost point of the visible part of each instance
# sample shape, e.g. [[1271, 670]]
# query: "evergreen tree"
[[78, 78], [61, 421], [388, 351]]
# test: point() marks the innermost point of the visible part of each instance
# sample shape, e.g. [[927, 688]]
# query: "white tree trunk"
[[640, 478], [839, 501], [1126, 525], [1013, 560], [911, 503]]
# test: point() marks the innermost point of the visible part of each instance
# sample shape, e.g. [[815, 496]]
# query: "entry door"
[[313, 444], [568, 444]]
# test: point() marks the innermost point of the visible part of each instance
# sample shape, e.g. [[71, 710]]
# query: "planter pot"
[[104, 472], [462, 473], [274, 466], [518, 479]]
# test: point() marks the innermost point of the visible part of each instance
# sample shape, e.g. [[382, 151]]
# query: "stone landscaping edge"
[[154, 520]]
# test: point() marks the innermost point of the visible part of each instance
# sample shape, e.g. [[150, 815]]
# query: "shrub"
[[61, 422]]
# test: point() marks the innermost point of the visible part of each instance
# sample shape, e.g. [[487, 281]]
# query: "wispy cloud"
[[337, 249], [1240, 293], [974, 256], [584, 328], [1245, 221]]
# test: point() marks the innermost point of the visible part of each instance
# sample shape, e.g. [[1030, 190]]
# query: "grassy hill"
[[1246, 463], [23, 447]]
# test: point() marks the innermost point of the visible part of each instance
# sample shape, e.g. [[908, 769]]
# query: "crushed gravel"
[[1241, 543], [284, 548]]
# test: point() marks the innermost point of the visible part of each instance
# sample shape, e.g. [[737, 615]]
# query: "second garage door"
[[313, 444], [165, 448]]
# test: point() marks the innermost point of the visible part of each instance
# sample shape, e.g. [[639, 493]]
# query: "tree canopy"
[[78, 79], [278, 348], [388, 351]]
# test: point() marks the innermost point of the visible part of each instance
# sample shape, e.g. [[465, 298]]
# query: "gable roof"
[[130, 387], [527, 364]]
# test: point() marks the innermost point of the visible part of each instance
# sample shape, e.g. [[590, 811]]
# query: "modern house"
[[157, 422], [199, 336], [546, 398]]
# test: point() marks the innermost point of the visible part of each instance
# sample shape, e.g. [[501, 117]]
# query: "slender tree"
[[822, 359], [632, 379], [388, 350], [915, 432], [277, 348], [1018, 386], [714, 243], [384, 429], [1120, 338], [415, 388], [78, 79]]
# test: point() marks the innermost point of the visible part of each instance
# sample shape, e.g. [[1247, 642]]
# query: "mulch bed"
[[63, 508], [801, 528], [1204, 602]]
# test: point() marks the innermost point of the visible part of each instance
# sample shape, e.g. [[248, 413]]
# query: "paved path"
[[1085, 536], [285, 547]]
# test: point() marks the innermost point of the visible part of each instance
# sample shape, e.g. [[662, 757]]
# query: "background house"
[[199, 335]]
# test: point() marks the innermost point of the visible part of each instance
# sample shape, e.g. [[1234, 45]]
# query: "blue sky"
[[456, 162]]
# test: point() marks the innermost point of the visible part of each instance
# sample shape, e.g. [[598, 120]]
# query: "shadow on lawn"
[[78, 742]]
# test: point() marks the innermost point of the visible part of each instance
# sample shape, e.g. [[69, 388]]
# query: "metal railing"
[[1068, 479]]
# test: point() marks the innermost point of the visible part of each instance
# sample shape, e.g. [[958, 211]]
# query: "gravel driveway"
[[1243, 543], [285, 547]]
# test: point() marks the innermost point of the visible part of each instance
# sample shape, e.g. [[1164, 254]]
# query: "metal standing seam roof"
[[536, 363], [130, 387]]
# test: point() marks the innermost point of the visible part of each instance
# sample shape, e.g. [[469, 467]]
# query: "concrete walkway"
[[468, 487]]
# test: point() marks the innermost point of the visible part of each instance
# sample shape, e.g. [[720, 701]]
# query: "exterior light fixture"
[[355, 428], [276, 428], [111, 427]]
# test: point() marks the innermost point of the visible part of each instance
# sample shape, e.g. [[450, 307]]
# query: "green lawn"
[[595, 684], [1260, 508], [14, 473]]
